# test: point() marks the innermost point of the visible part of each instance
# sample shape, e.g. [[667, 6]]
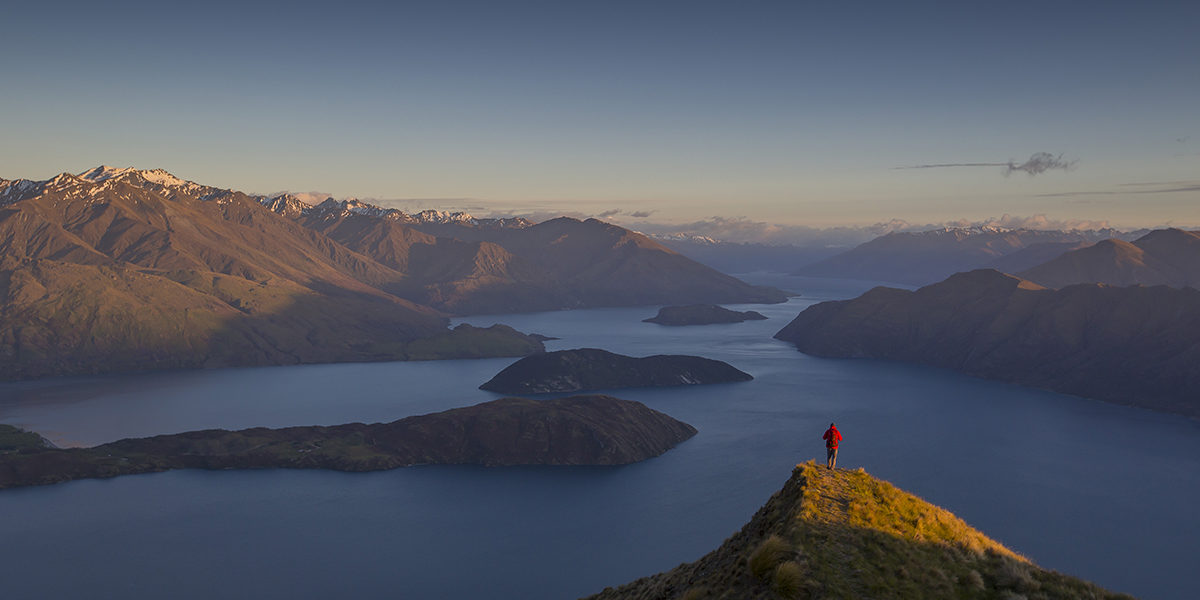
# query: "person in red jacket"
[[832, 437]]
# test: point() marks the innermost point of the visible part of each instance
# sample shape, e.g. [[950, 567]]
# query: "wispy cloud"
[[641, 214], [1149, 187], [1038, 163]]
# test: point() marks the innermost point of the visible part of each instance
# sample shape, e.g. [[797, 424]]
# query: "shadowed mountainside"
[[579, 430], [1161, 257], [593, 369], [1130, 345], [561, 263], [701, 314], [845, 534]]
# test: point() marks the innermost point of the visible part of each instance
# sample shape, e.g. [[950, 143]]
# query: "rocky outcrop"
[[701, 314], [579, 430], [593, 369], [1131, 345], [845, 534]]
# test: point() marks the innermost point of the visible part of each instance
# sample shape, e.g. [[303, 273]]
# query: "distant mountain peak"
[[160, 177], [104, 173], [291, 206]]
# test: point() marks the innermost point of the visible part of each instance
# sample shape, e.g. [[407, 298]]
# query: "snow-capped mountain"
[[119, 268], [101, 180], [694, 238], [291, 206]]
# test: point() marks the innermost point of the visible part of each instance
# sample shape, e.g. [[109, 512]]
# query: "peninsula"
[[579, 430]]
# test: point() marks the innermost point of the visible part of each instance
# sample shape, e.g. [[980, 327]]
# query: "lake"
[[1096, 490]]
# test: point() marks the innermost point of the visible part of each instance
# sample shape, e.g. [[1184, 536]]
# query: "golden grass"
[[855, 499], [767, 556]]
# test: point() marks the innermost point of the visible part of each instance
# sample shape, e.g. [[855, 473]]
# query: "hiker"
[[832, 437]]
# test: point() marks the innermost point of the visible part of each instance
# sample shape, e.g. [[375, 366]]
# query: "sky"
[[800, 114]]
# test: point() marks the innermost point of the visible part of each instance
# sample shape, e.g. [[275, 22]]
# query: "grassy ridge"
[[845, 534]]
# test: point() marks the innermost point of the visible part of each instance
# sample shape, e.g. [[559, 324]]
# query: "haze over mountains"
[[126, 269], [919, 258]]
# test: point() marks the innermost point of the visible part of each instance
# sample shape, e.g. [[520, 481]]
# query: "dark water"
[[1092, 489]]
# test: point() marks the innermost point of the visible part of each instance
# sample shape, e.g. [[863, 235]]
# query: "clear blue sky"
[[785, 112]]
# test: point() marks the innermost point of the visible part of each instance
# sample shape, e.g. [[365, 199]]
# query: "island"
[[594, 369], [578, 430], [846, 534], [701, 314]]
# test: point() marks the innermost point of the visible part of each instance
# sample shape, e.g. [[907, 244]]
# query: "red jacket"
[[832, 437]]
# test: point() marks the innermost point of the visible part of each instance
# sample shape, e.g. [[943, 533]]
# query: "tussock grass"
[[769, 554], [788, 581]]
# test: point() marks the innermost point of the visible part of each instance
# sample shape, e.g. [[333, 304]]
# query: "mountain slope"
[[845, 534], [1130, 345], [121, 269], [453, 275], [472, 266], [1162, 257]]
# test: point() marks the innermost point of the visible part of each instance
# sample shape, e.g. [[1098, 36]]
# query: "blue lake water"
[[1092, 489]]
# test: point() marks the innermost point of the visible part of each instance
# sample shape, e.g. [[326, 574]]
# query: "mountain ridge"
[[1161, 257], [846, 534], [1129, 345], [119, 269], [921, 258]]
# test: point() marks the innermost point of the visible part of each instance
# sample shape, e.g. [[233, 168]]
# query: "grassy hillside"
[[845, 534]]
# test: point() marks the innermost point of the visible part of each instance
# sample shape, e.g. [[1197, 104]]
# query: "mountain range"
[[1161, 257], [126, 269], [1131, 345], [460, 264], [920, 258]]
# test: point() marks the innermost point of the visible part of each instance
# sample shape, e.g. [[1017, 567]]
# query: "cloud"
[[609, 213], [1042, 222], [1038, 163], [1038, 222], [641, 214], [745, 231], [1150, 187]]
